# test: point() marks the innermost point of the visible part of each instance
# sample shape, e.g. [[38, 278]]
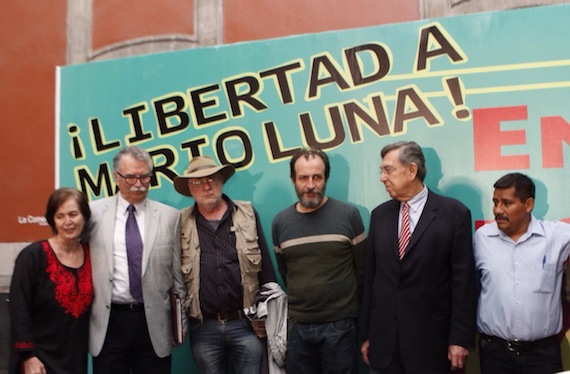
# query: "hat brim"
[[181, 182]]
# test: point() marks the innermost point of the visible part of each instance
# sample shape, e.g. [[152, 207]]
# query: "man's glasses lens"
[[132, 179], [199, 182]]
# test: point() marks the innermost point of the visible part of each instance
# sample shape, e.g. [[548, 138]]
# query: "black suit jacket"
[[427, 301]]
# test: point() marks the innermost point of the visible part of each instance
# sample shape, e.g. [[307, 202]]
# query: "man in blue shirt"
[[520, 260]]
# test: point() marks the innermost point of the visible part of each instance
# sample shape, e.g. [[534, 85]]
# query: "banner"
[[484, 95]]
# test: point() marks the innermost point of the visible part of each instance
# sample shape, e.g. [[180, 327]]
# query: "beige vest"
[[249, 255]]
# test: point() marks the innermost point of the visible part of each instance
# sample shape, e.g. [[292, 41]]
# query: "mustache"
[[501, 217], [313, 190], [137, 189]]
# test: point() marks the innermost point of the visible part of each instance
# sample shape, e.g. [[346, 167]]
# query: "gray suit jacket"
[[160, 267]]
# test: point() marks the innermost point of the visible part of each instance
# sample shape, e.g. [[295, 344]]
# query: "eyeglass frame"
[[197, 182], [389, 170], [135, 178]]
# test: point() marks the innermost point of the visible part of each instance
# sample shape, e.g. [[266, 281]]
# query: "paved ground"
[[4, 333]]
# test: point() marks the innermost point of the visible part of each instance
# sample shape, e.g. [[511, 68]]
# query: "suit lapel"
[[428, 215], [108, 219], [151, 224], [393, 222]]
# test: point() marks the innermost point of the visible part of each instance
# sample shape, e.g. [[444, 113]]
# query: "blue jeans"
[[214, 344], [321, 347]]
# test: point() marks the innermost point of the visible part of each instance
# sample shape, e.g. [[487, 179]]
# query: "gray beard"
[[311, 203]]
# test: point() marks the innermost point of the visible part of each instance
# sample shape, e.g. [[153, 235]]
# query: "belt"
[[224, 317], [518, 346], [132, 307]]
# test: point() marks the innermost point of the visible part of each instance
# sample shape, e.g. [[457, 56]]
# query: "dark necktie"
[[405, 234], [134, 244]]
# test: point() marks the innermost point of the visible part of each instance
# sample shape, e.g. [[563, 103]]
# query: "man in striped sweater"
[[319, 243]]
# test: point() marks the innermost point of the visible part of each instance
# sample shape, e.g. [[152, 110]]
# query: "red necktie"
[[405, 234]]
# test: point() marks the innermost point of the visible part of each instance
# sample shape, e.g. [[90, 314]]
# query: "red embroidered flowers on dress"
[[73, 294]]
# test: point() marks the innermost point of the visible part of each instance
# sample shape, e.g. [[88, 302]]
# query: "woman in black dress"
[[51, 293]]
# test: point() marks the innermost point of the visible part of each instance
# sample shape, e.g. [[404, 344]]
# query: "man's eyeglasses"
[[388, 170], [132, 179], [200, 182]]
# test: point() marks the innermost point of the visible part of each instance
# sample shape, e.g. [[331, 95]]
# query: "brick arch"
[[207, 29], [445, 8]]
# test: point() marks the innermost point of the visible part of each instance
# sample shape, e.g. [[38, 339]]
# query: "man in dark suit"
[[419, 306]]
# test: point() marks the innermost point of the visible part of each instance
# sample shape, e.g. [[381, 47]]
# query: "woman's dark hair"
[[60, 196]]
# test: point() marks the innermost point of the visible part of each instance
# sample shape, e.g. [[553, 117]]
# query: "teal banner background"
[[483, 94]]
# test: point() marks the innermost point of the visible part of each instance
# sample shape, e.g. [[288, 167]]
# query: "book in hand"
[[176, 309]]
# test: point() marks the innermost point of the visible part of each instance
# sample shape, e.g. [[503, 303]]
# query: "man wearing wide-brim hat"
[[224, 260]]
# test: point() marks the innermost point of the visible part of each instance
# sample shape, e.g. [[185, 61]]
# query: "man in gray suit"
[[135, 257]]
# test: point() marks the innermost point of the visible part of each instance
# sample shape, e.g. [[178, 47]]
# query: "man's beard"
[[311, 203]]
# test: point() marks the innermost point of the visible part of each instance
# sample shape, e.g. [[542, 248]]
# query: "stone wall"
[[9, 253]]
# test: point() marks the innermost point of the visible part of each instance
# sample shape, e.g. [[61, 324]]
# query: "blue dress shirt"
[[520, 282]]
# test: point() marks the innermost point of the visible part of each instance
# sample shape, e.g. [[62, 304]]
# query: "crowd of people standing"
[[411, 294]]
